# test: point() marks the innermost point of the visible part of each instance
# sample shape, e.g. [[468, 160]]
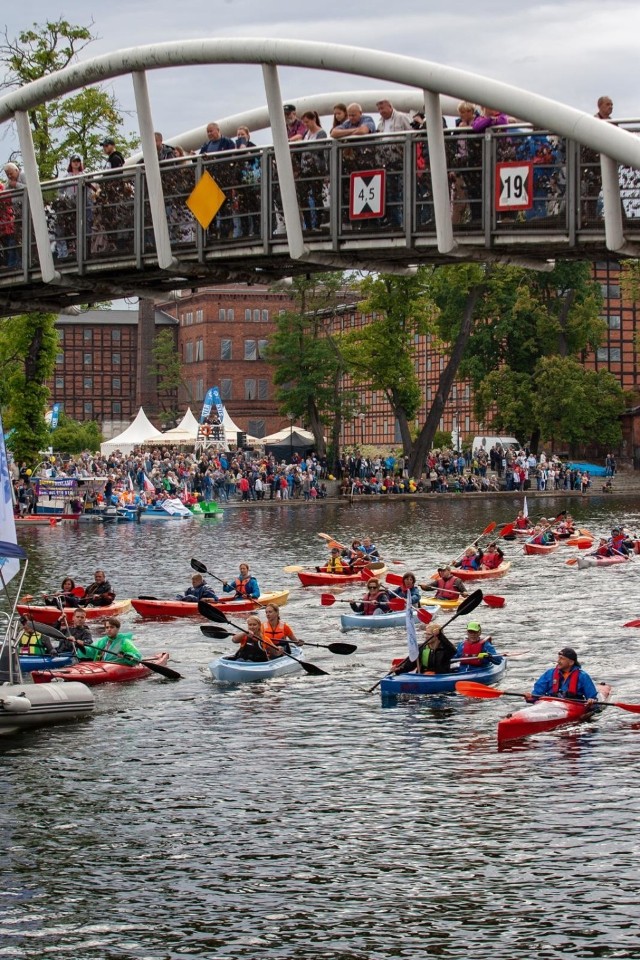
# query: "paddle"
[[487, 530], [344, 649], [200, 568], [547, 524], [293, 568], [329, 539], [478, 690], [154, 667], [328, 600], [467, 605], [632, 623], [212, 613]]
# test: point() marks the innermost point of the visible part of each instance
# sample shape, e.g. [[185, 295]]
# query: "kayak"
[[479, 574], [378, 621], [585, 562], [91, 673], [443, 604], [547, 714], [228, 670], [538, 549], [430, 683], [320, 578], [51, 615], [178, 608], [29, 662]]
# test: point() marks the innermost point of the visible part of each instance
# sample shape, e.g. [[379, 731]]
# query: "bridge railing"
[[98, 218]]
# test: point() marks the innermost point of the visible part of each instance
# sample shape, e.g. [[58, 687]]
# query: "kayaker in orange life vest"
[[244, 585], [474, 650], [449, 587], [277, 632], [567, 679]]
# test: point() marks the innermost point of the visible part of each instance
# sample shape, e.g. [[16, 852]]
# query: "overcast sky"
[[572, 51]]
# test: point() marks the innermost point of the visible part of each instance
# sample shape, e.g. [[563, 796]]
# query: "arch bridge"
[[558, 183]]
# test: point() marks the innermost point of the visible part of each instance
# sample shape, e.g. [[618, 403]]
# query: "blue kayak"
[[379, 620], [430, 683], [29, 662]]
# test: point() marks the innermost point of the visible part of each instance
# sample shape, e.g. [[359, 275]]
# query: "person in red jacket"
[[448, 586]]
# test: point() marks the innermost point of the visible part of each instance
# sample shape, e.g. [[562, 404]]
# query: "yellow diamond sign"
[[205, 200]]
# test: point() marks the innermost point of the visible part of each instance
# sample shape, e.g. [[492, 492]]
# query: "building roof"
[[109, 318]]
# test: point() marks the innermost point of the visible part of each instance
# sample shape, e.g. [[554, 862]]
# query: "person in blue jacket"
[[408, 587], [245, 586], [199, 590], [474, 652], [567, 679]]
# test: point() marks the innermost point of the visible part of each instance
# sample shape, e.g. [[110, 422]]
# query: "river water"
[[301, 818]]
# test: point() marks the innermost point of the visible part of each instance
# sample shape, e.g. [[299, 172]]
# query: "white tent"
[[283, 435], [136, 433], [186, 432]]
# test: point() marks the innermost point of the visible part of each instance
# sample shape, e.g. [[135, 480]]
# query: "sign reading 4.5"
[[366, 194], [514, 186]]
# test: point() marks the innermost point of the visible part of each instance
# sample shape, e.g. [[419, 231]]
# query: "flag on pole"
[[412, 640], [148, 486], [130, 482], [525, 509]]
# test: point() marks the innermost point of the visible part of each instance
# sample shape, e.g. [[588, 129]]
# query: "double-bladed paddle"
[[212, 613], [199, 567], [491, 599], [478, 690], [344, 649], [328, 600]]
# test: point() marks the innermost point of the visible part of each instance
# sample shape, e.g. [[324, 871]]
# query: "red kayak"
[[92, 673], [538, 549], [547, 714], [51, 615], [148, 607], [320, 578], [464, 574]]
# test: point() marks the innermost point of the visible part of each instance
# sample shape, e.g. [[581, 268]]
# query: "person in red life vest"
[[334, 563], [244, 585], [567, 679], [474, 651], [448, 586], [603, 550], [375, 600], [471, 559], [542, 536], [492, 557], [277, 633], [618, 543], [522, 522]]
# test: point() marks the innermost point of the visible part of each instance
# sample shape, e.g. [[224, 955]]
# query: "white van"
[[485, 443]]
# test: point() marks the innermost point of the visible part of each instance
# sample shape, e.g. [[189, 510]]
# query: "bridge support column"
[[288, 195], [36, 203], [166, 260], [439, 173], [613, 220]]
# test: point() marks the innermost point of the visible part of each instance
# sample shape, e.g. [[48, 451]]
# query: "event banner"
[[55, 485], [212, 399]]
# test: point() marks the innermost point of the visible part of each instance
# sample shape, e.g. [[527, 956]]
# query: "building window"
[[614, 354], [250, 390], [199, 389], [116, 384], [59, 357], [199, 316], [247, 314], [250, 350], [262, 349], [221, 314], [610, 291], [226, 350], [614, 321], [230, 314], [115, 334], [88, 408], [454, 392], [60, 333], [226, 389], [189, 317], [116, 408], [429, 364], [256, 316], [257, 428], [87, 334], [59, 383], [115, 359], [199, 350], [265, 316], [263, 389], [188, 352], [88, 383], [88, 359]]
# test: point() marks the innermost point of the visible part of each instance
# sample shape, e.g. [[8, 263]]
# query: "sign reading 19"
[[514, 186]]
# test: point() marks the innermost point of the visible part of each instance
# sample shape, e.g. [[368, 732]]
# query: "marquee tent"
[[136, 433], [288, 442], [185, 433]]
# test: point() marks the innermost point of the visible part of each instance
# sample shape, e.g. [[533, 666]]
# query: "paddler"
[[199, 590], [375, 600], [448, 586], [32, 643], [99, 593], [408, 589], [567, 679], [473, 650], [277, 633], [437, 652], [492, 557], [115, 647], [522, 522], [252, 646], [77, 635], [244, 586], [334, 563]]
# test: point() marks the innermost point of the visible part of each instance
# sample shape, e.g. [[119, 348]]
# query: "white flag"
[[412, 640], [525, 509]]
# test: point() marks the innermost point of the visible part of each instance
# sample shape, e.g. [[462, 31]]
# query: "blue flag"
[[55, 415]]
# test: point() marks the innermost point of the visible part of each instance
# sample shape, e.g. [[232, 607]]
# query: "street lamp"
[[291, 417]]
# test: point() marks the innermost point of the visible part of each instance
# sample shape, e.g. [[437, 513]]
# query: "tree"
[[167, 367], [28, 347], [65, 125], [308, 362], [71, 436]]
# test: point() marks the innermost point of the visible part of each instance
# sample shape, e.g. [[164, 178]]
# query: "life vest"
[[369, 606], [446, 589], [334, 565], [472, 650], [571, 689], [522, 523], [32, 645], [469, 563], [491, 560]]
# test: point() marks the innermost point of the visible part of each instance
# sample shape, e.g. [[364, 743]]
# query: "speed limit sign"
[[514, 186]]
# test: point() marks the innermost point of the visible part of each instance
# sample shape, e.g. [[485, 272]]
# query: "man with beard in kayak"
[[567, 679], [99, 593], [474, 651], [115, 647], [199, 590], [244, 585], [448, 586]]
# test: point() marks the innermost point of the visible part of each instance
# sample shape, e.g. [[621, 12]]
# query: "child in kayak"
[[115, 647]]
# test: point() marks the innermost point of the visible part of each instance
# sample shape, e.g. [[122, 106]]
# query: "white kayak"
[[228, 670], [379, 620]]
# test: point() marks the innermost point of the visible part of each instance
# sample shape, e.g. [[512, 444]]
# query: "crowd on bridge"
[[237, 167]]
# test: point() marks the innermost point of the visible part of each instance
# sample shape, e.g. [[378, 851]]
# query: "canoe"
[[378, 621], [585, 562], [479, 574], [44, 519], [547, 714], [178, 608], [227, 670], [29, 662], [51, 614], [315, 578], [91, 673], [26, 707], [431, 683], [538, 549]]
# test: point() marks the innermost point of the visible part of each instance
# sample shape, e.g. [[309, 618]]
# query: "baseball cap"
[[289, 108], [569, 653], [474, 626]]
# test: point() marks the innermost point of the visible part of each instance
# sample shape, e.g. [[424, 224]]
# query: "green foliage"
[[576, 405], [443, 440], [71, 436], [64, 125], [167, 367], [28, 347]]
